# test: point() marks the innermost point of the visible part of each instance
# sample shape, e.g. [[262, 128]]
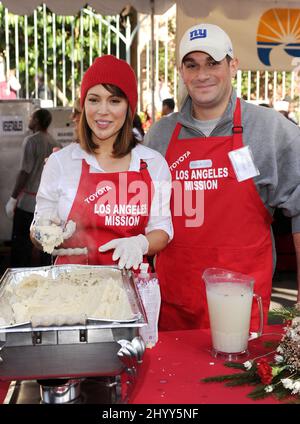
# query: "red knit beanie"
[[110, 70]]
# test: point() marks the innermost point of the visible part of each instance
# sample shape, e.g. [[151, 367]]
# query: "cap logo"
[[198, 33]]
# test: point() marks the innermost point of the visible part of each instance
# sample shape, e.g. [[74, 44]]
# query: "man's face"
[[164, 110], [208, 82], [32, 122]]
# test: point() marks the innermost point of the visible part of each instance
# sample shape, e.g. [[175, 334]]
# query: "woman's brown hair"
[[125, 140]]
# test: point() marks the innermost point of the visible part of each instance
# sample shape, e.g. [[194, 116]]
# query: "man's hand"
[[10, 207], [130, 250]]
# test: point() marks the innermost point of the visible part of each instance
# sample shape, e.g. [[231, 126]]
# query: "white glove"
[[130, 250], [67, 230], [10, 207], [46, 220]]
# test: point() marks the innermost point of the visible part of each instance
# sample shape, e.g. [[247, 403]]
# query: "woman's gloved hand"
[[69, 229], [50, 232], [130, 250]]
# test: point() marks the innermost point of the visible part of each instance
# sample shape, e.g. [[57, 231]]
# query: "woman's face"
[[105, 113]]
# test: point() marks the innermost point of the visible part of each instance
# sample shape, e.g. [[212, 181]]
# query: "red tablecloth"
[[172, 370], [3, 390]]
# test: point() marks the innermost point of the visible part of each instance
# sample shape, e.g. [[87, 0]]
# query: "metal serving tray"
[[28, 352]]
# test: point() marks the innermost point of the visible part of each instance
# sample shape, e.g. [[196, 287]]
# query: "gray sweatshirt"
[[272, 138]]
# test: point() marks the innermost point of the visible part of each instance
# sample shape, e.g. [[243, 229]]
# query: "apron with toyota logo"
[[120, 209], [230, 229]]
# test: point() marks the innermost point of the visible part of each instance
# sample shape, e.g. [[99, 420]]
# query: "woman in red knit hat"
[[112, 191]]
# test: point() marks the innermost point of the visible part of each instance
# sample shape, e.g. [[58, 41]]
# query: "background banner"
[[266, 38]]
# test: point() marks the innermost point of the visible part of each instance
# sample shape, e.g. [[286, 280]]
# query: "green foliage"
[[78, 49], [250, 378], [258, 393], [171, 55], [286, 313], [261, 75], [238, 379]]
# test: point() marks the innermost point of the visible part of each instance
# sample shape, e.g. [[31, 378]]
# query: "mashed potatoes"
[[49, 236], [68, 299]]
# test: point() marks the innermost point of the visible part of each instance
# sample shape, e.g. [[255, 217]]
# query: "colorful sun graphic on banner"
[[278, 29]]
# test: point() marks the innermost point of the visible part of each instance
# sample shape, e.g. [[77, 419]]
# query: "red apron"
[[107, 206], [235, 232]]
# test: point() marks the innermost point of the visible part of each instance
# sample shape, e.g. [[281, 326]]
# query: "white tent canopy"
[[195, 8], [72, 7]]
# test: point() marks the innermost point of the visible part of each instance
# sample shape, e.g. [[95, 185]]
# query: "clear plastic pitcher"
[[229, 297]]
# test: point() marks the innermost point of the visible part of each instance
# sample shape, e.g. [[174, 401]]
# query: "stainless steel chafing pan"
[[91, 349]]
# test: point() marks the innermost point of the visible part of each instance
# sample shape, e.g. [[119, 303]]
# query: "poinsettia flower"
[[264, 370]]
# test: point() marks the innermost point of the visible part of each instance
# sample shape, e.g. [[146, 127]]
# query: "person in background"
[[9, 88], [282, 230], [287, 116], [105, 183], [137, 129], [282, 225], [168, 106], [20, 207], [76, 114], [232, 164], [43, 92], [13, 83], [163, 90], [5, 90], [147, 118], [283, 107]]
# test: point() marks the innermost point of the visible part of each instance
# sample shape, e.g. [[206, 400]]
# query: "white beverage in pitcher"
[[229, 306]]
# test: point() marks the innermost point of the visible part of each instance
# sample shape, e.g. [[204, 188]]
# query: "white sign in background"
[[63, 135], [12, 125]]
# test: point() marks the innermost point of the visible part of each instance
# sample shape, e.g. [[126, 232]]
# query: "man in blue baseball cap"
[[232, 164]]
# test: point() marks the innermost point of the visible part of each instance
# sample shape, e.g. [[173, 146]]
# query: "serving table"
[[171, 372]]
